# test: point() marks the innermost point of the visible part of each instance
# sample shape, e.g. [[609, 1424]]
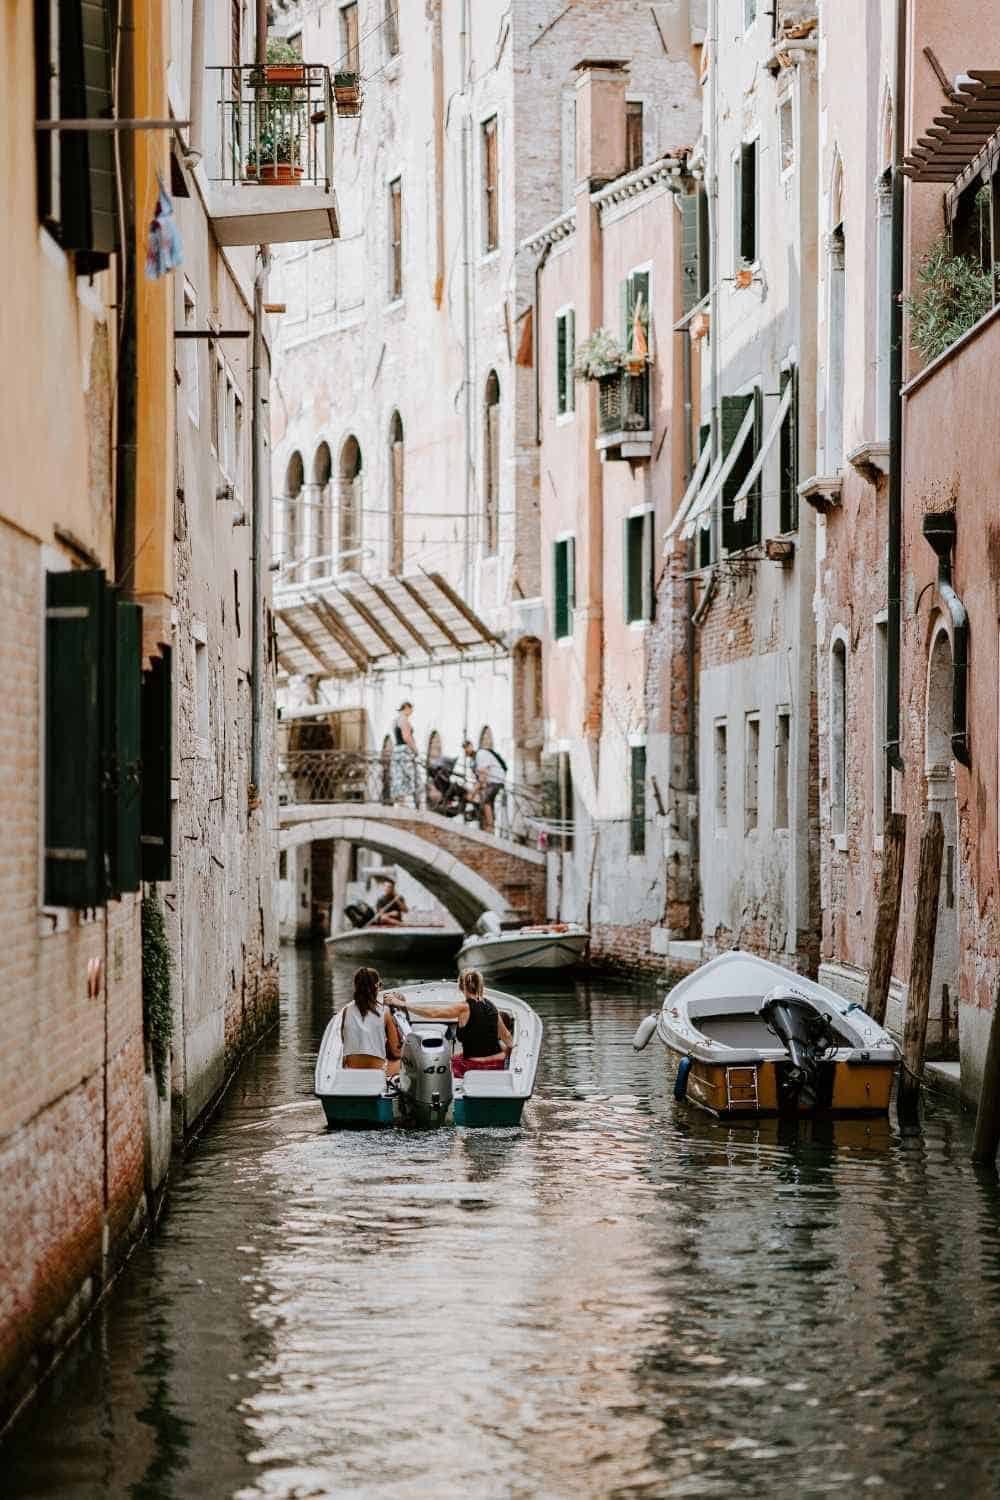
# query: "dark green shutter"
[[734, 409], [570, 545], [748, 202], [123, 759], [690, 277], [560, 622], [637, 788], [703, 243], [157, 766], [634, 529], [74, 844], [570, 360], [789, 455], [561, 363], [86, 161]]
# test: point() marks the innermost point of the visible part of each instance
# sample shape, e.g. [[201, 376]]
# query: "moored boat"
[[384, 946], [425, 1092], [550, 945], [751, 1038]]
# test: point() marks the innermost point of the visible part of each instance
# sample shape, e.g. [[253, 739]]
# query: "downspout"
[[437, 60], [895, 541], [536, 316], [466, 310], [127, 423], [712, 189], [195, 149], [257, 480], [692, 738], [939, 532]]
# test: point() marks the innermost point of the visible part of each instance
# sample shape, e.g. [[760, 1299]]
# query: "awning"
[[701, 468], [740, 500], [959, 132], [702, 506], [357, 625]]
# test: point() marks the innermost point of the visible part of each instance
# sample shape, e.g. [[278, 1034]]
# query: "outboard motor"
[[425, 1081], [487, 925], [807, 1036]]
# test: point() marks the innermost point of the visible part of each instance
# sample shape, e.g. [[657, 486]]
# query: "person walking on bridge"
[[491, 775], [403, 769]]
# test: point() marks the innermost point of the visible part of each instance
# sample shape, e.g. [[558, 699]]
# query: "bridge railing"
[[306, 776]]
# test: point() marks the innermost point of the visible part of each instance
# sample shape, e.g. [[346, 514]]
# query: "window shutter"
[[625, 309], [74, 862], [570, 360], [637, 788], [493, 437], [87, 167], [748, 201], [703, 243], [789, 455], [733, 411], [124, 758], [560, 591], [570, 581], [561, 363], [634, 570], [690, 277], [157, 767]]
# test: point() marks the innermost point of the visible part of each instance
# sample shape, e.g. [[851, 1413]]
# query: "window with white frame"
[[639, 566], [720, 772], [782, 763], [745, 213], [883, 301], [751, 788], [191, 353], [563, 586], [237, 444], [565, 355], [838, 737], [491, 198], [749, 13], [786, 133], [835, 347]]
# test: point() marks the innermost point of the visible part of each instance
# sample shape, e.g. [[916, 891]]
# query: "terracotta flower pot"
[[347, 93], [285, 73], [275, 174]]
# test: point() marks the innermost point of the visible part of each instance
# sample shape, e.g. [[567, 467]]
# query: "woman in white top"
[[371, 1038]]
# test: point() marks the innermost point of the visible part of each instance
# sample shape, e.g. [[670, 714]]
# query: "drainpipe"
[[127, 417], [939, 532], [466, 307], [895, 544], [437, 63], [536, 316], [257, 481], [712, 189], [197, 91], [692, 742]]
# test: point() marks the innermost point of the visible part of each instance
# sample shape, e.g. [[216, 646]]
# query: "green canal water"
[[621, 1298]]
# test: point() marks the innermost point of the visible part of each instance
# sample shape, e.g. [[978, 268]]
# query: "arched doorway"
[[350, 507], [942, 797]]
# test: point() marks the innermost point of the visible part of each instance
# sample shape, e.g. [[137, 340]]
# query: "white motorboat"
[[425, 1092], [550, 945], [749, 1037]]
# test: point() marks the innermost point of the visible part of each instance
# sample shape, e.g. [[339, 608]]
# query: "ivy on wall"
[[157, 1002]]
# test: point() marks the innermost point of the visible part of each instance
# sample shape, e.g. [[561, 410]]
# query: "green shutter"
[[703, 243], [748, 202], [789, 455], [86, 161], [634, 535], [123, 760], [637, 788], [570, 360], [74, 845], [157, 765], [561, 363], [570, 579], [690, 277], [560, 624]]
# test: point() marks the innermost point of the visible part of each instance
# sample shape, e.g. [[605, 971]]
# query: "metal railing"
[[275, 125], [314, 776], [623, 402]]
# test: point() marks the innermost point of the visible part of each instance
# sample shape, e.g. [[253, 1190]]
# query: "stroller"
[[446, 789]]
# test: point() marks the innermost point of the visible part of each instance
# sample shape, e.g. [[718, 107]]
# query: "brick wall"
[[521, 882]]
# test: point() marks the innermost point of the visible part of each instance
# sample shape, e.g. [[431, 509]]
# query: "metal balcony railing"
[[275, 125], [623, 402]]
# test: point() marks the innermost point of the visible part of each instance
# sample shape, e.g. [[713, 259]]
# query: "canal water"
[[621, 1298]]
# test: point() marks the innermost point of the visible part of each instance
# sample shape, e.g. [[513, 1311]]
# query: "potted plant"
[[598, 356], [284, 65], [955, 292], [347, 92], [274, 159]]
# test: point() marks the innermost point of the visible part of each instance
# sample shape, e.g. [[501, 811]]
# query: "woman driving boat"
[[371, 1037], [482, 1031]]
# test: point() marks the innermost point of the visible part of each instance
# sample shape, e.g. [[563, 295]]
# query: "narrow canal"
[[620, 1299]]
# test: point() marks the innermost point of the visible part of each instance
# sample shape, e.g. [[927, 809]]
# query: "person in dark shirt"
[[482, 1031], [390, 908]]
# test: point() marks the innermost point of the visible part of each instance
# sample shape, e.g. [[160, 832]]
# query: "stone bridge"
[[467, 870]]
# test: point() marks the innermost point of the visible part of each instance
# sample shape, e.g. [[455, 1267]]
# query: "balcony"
[[272, 172], [624, 428]]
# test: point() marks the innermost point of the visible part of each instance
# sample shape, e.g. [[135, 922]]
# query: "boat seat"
[[366, 1081]]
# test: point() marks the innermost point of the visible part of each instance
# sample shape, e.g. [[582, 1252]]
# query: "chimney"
[[600, 121]]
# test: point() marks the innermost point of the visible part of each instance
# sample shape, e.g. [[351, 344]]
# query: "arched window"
[[838, 737], [491, 465], [940, 687], [396, 494], [434, 745], [322, 511], [294, 480], [486, 738], [350, 507], [836, 320]]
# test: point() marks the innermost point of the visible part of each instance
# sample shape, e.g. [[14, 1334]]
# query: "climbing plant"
[[954, 292], [157, 1004]]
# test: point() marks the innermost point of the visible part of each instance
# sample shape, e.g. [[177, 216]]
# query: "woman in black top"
[[482, 1031]]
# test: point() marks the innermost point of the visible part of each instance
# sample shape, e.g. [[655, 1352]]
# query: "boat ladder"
[[741, 1088]]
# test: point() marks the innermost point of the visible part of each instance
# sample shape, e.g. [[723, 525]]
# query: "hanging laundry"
[[164, 251]]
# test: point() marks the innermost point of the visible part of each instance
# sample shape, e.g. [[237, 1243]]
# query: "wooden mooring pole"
[[890, 894], [921, 966], [987, 1137]]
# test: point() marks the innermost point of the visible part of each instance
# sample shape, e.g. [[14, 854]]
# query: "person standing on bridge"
[[491, 777], [403, 770]]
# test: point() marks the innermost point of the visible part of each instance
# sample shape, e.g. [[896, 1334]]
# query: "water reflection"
[[622, 1298]]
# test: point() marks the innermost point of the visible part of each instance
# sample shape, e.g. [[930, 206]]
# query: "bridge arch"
[[418, 842]]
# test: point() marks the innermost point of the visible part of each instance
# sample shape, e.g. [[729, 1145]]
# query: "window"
[[749, 13], [226, 449], [634, 300], [191, 353], [294, 479], [883, 302], [202, 718], [745, 204], [637, 788], [788, 455], [786, 134], [694, 248], [751, 791], [76, 170], [396, 497], [214, 371], [838, 737], [349, 39], [705, 535], [237, 444], [491, 465], [395, 239], [557, 799], [782, 755], [283, 865], [491, 202], [565, 355], [633, 135], [720, 756], [564, 587], [322, 509], [639, 566], [350, 506], [879, 785], [738, 533], [391, 28], [836, 317]]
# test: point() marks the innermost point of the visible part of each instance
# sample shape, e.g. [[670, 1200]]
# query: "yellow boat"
[[751, 1038]]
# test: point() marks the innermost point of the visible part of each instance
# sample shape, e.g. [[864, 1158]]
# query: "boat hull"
[[748, 1088], [504, 955], [384, 944]]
